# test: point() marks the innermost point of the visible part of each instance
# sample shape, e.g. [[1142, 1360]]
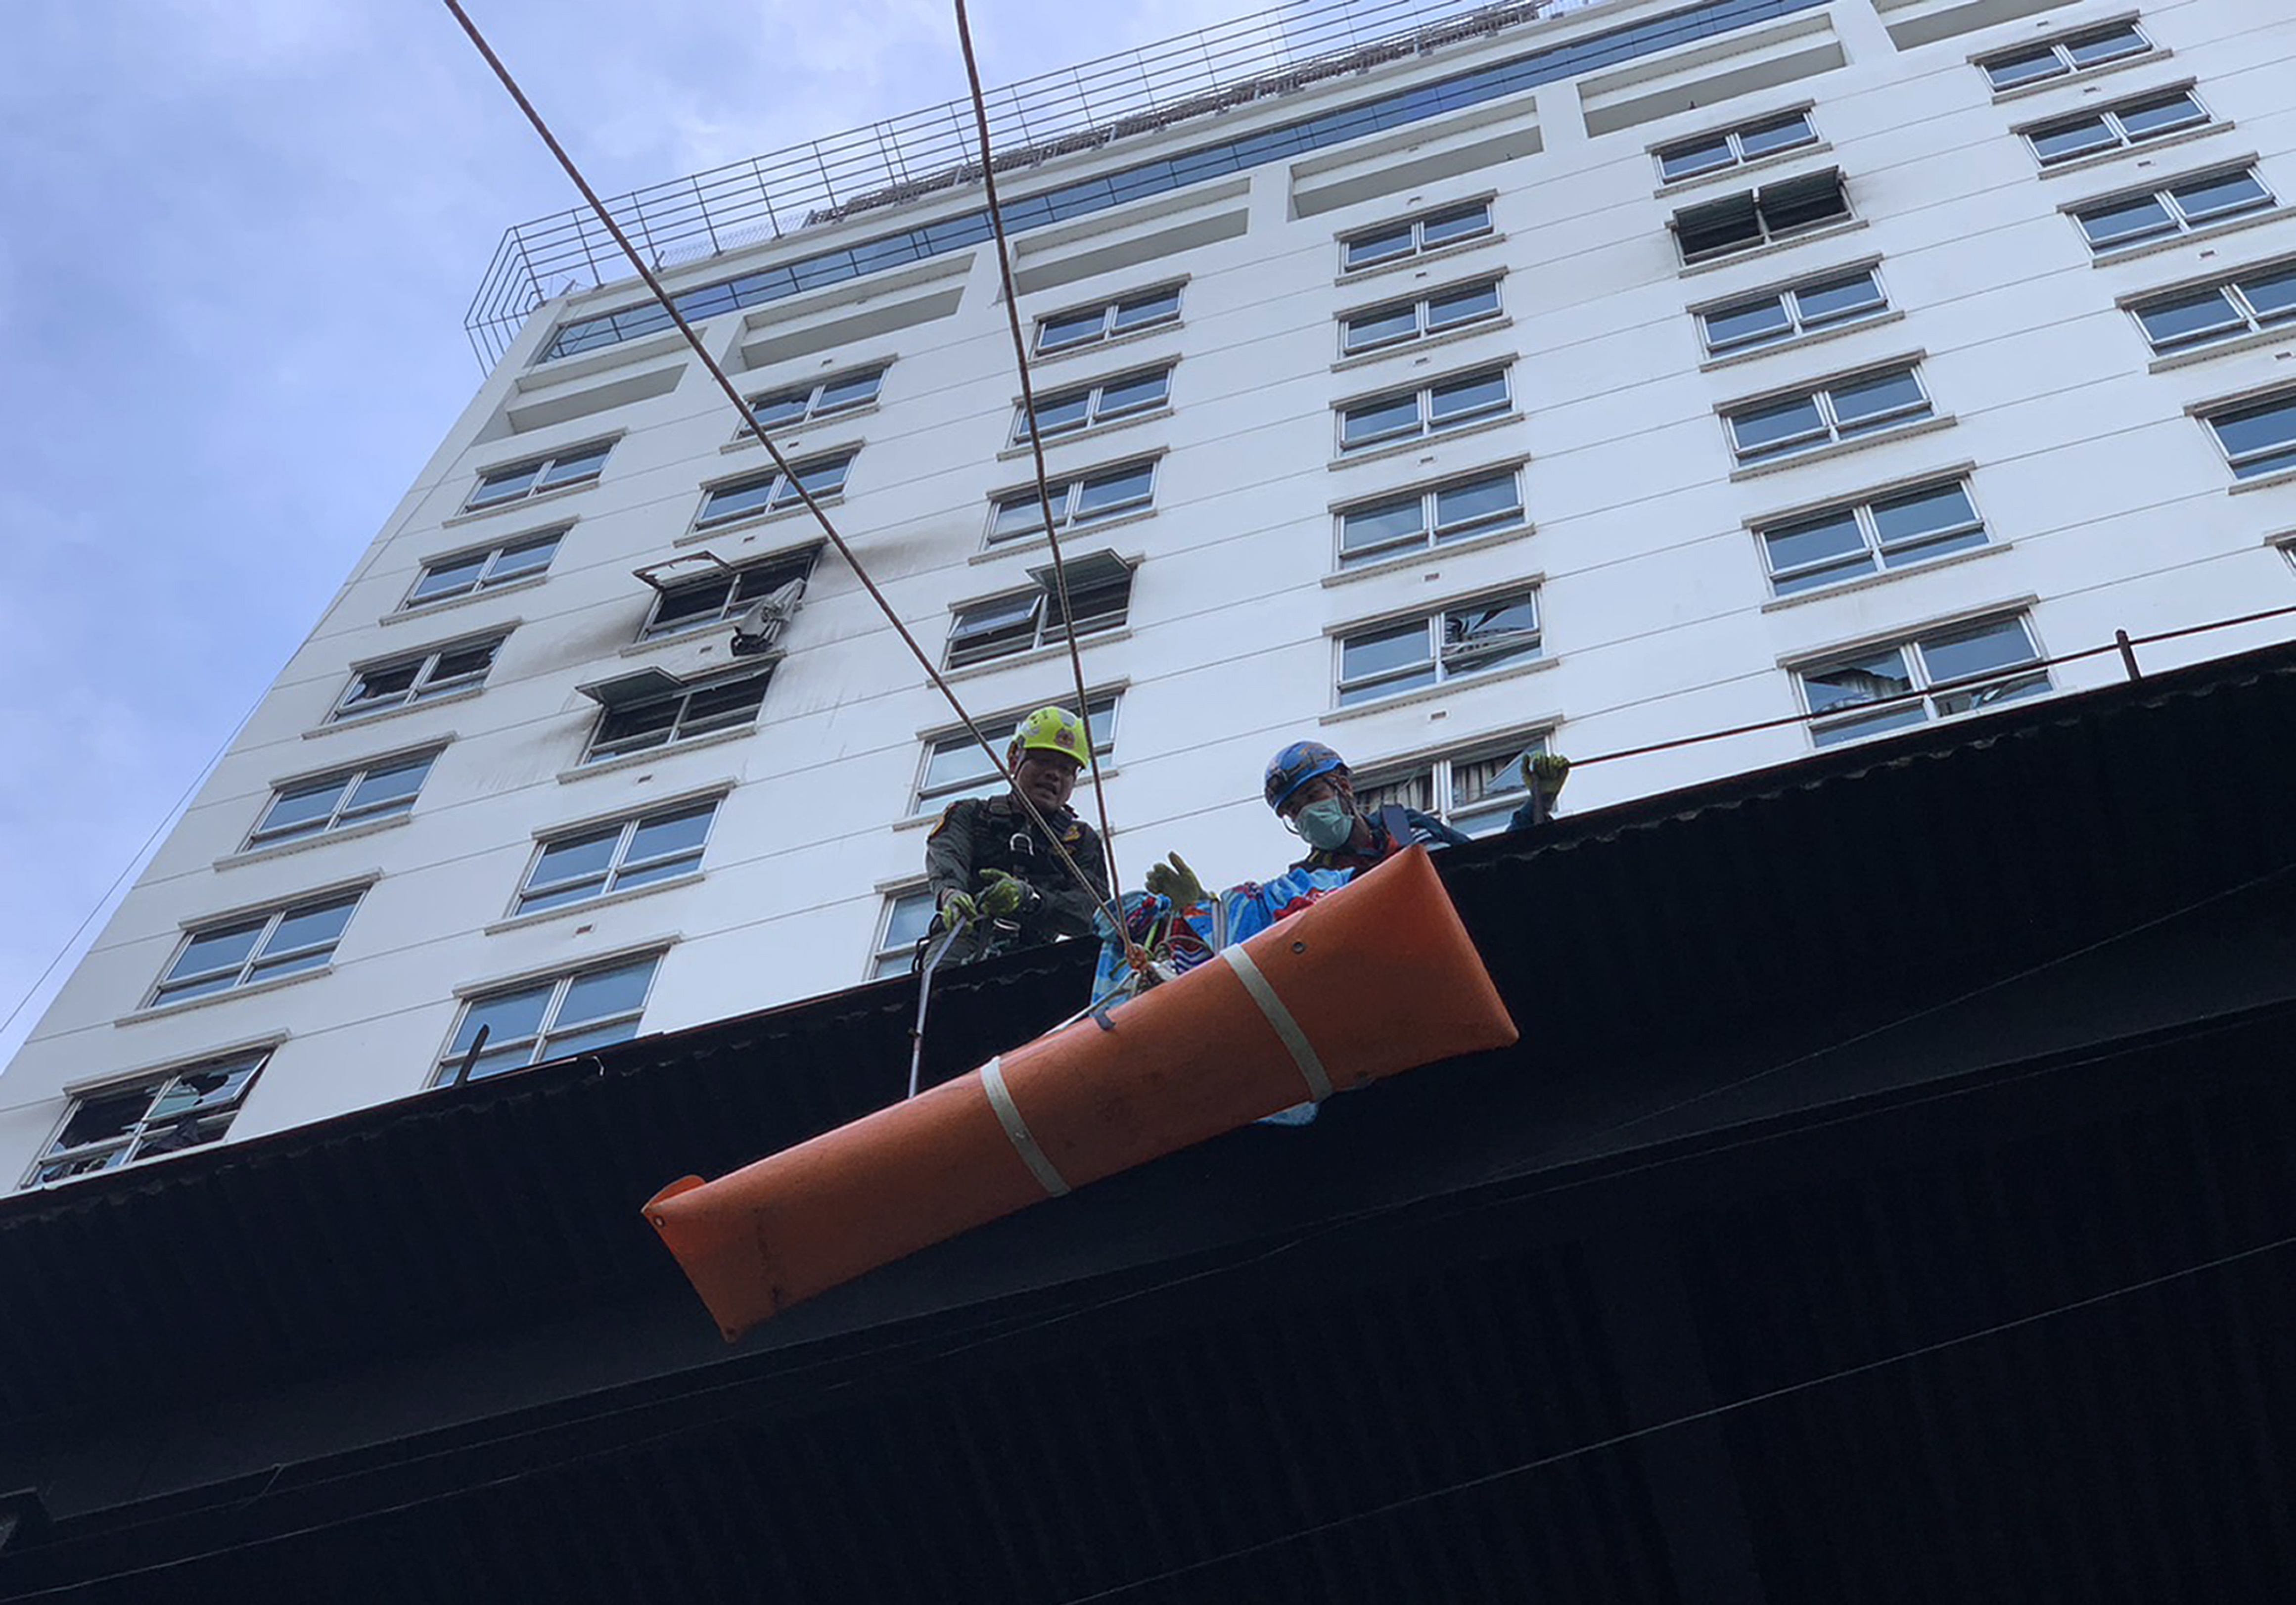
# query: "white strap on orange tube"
[[1024, 1140], [1303, 1052]]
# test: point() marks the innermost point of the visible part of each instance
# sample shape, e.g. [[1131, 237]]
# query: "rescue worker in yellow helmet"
[[993, 871]]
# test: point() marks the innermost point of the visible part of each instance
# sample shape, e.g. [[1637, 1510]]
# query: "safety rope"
[[1108, 908]]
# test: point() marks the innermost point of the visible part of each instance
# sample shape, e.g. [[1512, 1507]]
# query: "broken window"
[[158, 1115]]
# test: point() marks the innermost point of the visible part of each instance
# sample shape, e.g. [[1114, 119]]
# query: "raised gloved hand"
[[1002, 894], [1177, 882], [1548, 770], [956, 909]]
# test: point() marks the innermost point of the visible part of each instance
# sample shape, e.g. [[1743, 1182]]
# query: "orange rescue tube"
[[1377, 977]]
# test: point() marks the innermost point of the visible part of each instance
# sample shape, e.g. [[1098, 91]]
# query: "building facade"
[[1633, 374]]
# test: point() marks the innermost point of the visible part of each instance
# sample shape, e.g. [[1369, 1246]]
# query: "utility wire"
[[749, 422]]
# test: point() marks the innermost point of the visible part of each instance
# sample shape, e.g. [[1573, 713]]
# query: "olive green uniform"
[[976, 835]]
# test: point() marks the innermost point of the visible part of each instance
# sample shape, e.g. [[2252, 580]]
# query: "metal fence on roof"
[[1270, 53]]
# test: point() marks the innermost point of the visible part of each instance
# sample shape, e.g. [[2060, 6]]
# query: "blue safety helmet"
[[1296, 765]]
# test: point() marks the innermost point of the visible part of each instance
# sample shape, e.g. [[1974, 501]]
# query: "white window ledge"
[[1441, 689], [2255, 339], [778, 515], [448, 604], [2286, 476], [1348, 281], [1419, 556], [1130, 337], [543, 916], [1866, 582], [1802, 342], [654, 755], [918, 821], [1035, 654], [280, 849], [366, 721], [1720, 176], [1841, 449], [1071, 537], [1098, 431], [2274, 213], [2105, 159], [186, 1005], [1833, 231], [1412, 348], [747, 442], [1421, 443], [559, 493]]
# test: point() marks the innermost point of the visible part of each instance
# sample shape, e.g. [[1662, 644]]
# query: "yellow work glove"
[[1002, 893], [1176, 880], [957, 909], [1547, 772]]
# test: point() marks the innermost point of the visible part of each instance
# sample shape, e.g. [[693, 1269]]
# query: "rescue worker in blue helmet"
[[995, 874], [1312, 792]]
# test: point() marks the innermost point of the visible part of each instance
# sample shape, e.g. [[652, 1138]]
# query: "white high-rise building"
[[1636, 373]]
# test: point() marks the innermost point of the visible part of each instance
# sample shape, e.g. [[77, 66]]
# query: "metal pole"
[[933, 956], [2127, 654]]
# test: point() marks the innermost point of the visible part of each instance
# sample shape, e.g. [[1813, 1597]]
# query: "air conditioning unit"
[[757, 631]]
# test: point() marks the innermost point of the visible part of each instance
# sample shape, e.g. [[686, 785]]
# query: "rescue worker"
[[1309, 787], [993, 872]]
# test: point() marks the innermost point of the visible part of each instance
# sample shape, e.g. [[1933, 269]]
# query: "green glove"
[[1547, 772], [958, 909], [1003, 893], [1177, 882]]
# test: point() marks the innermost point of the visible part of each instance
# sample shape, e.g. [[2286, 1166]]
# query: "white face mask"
[[1327, 825]]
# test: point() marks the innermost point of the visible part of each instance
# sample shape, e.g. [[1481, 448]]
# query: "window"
[[256, 947], [2075, 53], [698, 605], [539, 1021], [1735, 147], [1100, 590], [446, 577], [1405, 414], [727, 702], [1475, 791], [1776, 211], [826, 397], [1783, 314], [772, 489], [2258, 299], [2261, 438], [2114, 127], [1468, 639], [618, 857], [1400, 322], [161, 1114], [955, 766], [1956, 671], [1101, 493], [907, 916], [1417, 520], [1067, 412], [1846, 409], [1090, 326], [384, 789], [417, 677], [2186, 205], [1904, 527], [516, 482], [1415, 236]]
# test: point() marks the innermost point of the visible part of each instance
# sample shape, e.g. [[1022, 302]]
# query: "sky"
[[237, 241]]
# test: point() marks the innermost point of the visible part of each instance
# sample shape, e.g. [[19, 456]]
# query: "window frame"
[[257, 964], [1421, 308], [1816, 575], [131, 1144], [783, 496], [1822, 392], [1440, 771], [814, 389], [2163, 194], [927, 799], [1363, 689], [2277, 457], [1065, 496], [609, 877], [1431, 535], [902, 955], [1800, 325], [346, 783], [424, 687], [2062, 49], [1766, 234], [1842, 722], [795, 563], [1734, 138], [1417, 224], [1043, 628], [1425, 425], [488, 578], [448, 1062], [2112, 116], [1092, 394], [2230, 288], [675, 731], [1110, 311], [539, 479]]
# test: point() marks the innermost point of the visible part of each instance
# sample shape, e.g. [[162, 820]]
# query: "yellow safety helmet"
[[1051, 730]]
